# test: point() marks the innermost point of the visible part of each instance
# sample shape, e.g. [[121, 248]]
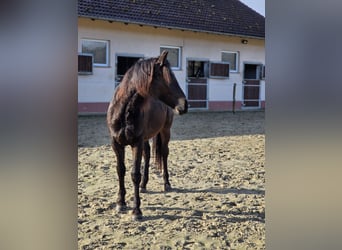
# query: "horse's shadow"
[[213, 190], [221, 191], [230, 216], [197, 214], [161, 216]]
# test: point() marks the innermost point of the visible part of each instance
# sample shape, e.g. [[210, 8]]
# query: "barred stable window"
[[219, 69], [232, 58], [85, 64], [174, 56], [99, 49]]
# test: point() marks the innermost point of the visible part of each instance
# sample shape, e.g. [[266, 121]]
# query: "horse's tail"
[[132, 118], [158, 151]]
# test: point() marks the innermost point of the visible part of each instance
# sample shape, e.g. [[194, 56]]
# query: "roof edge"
[[172, 27]]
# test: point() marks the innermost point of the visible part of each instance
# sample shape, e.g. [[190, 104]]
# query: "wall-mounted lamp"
[[244, 41]]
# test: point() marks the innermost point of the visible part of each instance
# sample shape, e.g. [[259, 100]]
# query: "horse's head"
[[165, 86]]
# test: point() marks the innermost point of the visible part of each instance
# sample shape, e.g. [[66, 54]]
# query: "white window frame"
[[107, 51], [179, 55], [263, 72], [237, 60]]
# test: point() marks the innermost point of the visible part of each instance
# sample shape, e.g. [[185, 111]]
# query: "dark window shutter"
[[85, 64], [219, 70]]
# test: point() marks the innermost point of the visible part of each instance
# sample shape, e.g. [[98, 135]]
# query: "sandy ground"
[[217, 172]]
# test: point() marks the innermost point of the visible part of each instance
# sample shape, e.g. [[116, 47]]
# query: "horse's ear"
[[162, 58]]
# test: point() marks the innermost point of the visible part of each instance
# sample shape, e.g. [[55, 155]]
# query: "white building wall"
[[145, 40]]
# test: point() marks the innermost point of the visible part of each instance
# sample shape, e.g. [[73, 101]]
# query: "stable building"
[[216, 50]]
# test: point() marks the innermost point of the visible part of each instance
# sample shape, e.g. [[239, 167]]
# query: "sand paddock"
[[217, 173]]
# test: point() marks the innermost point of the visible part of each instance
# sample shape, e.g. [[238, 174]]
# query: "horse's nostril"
[[182, 107], [181, 110]]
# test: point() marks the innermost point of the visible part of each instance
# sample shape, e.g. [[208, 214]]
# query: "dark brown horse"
[[142, 108]]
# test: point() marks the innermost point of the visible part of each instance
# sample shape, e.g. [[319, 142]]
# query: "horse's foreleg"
[[136, 178], [119, 151], [147, 156]]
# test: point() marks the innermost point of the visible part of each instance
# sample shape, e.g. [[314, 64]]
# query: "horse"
[[142, 108]]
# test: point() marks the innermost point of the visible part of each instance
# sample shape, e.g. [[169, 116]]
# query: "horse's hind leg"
[[165, 153], [167, 185], [136, 178], [147, 156], [119, 151]]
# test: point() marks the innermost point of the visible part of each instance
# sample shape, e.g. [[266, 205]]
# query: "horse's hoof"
[[143, 190], [167, 188], [121, 208], [137, 215]]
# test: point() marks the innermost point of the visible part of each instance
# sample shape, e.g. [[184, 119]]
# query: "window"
[[232, 58], [174, 56], [198, 69], [219, 69], [85, 64], [253, 71], [123, 63], [99, 49]]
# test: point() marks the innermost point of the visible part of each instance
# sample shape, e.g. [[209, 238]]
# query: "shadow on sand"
[[93, 132]]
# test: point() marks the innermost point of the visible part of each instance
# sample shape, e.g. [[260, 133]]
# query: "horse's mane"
[[138, 78]]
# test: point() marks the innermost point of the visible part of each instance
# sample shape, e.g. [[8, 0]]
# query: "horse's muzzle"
[[182, 107]]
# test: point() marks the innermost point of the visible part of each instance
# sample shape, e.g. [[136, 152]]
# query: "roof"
[[227, 17]]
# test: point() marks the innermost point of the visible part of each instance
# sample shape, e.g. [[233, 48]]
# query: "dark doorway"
[[251, 85], [197, 78]]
